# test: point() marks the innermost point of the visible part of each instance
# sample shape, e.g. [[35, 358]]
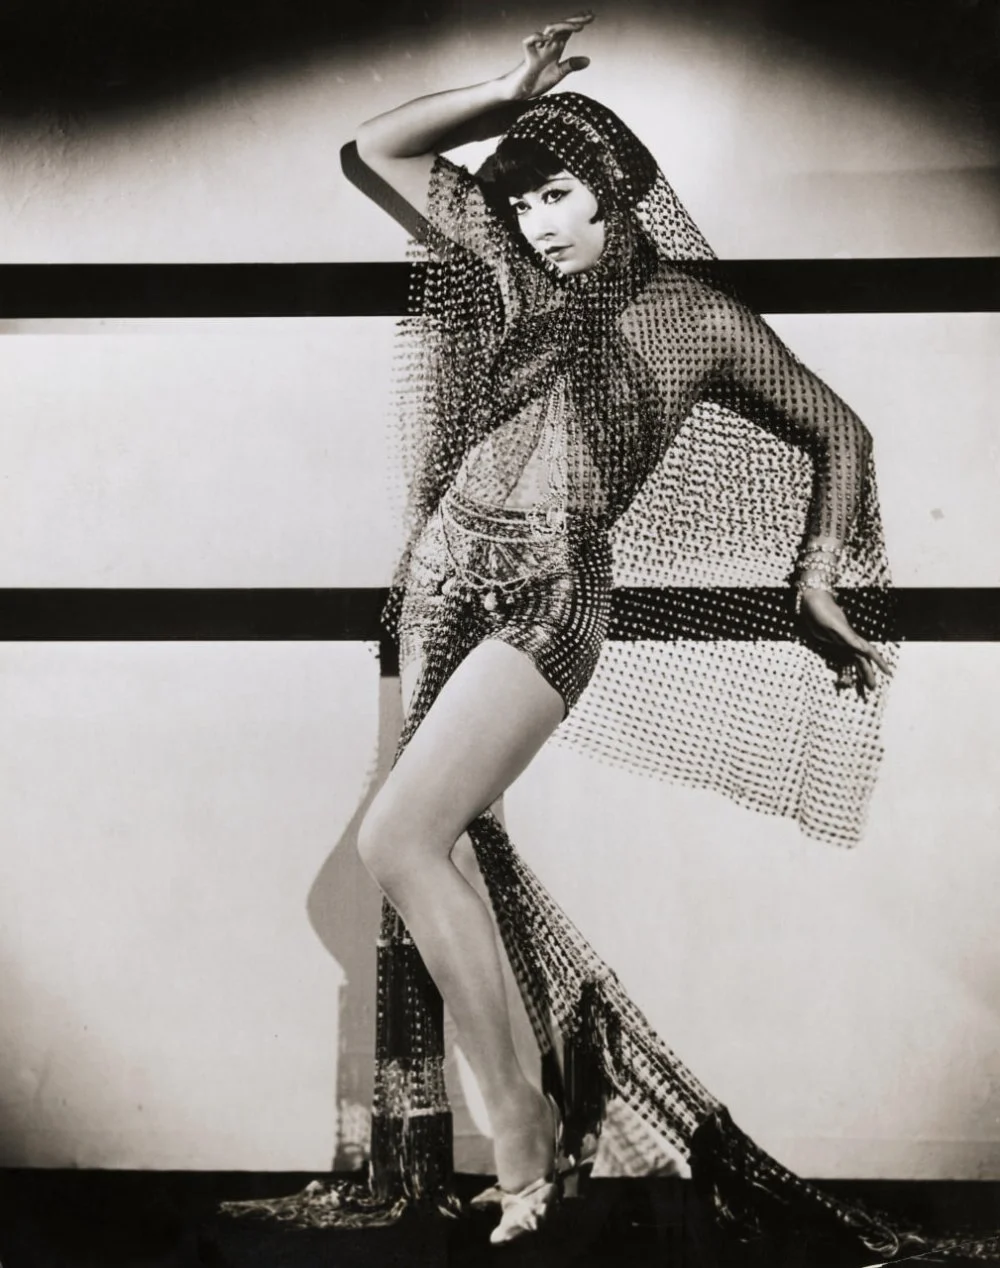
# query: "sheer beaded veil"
[[633, 428], [693, 437]]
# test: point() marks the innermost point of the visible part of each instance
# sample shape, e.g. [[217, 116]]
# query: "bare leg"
[[464, 858], [486, 724]]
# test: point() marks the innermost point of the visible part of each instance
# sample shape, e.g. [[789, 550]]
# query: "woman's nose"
[[541, 227]]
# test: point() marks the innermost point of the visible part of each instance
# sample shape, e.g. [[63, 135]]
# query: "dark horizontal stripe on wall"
[[380, 289], [920, 615]]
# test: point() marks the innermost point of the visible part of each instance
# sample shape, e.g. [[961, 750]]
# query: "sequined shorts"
[[529, 578]]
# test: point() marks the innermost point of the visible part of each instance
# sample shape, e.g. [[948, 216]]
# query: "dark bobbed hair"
[[520, 164], [585, 138]]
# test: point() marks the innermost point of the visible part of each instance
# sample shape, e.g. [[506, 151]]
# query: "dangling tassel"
[[720, 1172], [585, 1087], [411, 1144], [428, 1146]]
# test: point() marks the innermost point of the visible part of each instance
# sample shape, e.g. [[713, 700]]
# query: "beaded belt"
[[496, 551]]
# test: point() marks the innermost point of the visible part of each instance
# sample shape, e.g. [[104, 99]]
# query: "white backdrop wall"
[[181, 910], [776, 152]]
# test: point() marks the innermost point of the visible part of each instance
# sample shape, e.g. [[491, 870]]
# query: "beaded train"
[[617, 473]]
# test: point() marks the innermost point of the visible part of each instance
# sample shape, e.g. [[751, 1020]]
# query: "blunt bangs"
[[521, 164]]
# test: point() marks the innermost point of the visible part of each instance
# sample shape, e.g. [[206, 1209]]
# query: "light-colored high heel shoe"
[[572, 1172], [524, 1211]]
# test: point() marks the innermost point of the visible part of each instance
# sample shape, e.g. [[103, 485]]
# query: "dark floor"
[[128, 1219]]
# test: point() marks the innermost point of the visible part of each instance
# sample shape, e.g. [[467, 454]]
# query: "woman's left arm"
[[752, 364]]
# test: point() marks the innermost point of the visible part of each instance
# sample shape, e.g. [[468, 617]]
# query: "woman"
[[571, 385]]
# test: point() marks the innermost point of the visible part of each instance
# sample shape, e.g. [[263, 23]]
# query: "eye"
[[554, 195], [519, 207]]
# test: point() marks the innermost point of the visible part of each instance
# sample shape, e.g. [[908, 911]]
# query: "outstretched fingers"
[[556, 33], [567, 26], [867, 657], [561, 30]]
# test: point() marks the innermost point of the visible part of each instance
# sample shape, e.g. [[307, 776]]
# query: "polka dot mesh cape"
[[710, 455], [655, 411]]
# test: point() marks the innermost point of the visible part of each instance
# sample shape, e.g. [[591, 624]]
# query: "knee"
[[393, 846], [378, 841]]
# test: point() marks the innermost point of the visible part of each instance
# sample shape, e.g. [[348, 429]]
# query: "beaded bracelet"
[[818, 568], [819, 556], [827, 571], [822, 559]]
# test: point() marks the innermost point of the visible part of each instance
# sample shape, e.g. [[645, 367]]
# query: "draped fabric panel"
[[634, 406]]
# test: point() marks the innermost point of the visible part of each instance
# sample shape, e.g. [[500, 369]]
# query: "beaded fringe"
[[576, 1005], [594, 1043]]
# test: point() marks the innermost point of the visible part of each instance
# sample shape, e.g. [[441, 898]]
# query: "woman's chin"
[[568, 265], [569, 268]]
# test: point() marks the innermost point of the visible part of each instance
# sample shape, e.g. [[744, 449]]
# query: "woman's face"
[[558, 219]]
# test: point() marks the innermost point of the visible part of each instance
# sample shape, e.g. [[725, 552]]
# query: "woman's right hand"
[[541, 68]]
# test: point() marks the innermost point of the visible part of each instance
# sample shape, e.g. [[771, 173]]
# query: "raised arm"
[[401, 145], [764, 379]]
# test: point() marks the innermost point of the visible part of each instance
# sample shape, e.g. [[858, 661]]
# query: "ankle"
[[524, 1142], [517, 1107]]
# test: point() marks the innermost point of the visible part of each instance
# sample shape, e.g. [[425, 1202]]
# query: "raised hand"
[[825, 620], [541, 68]]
